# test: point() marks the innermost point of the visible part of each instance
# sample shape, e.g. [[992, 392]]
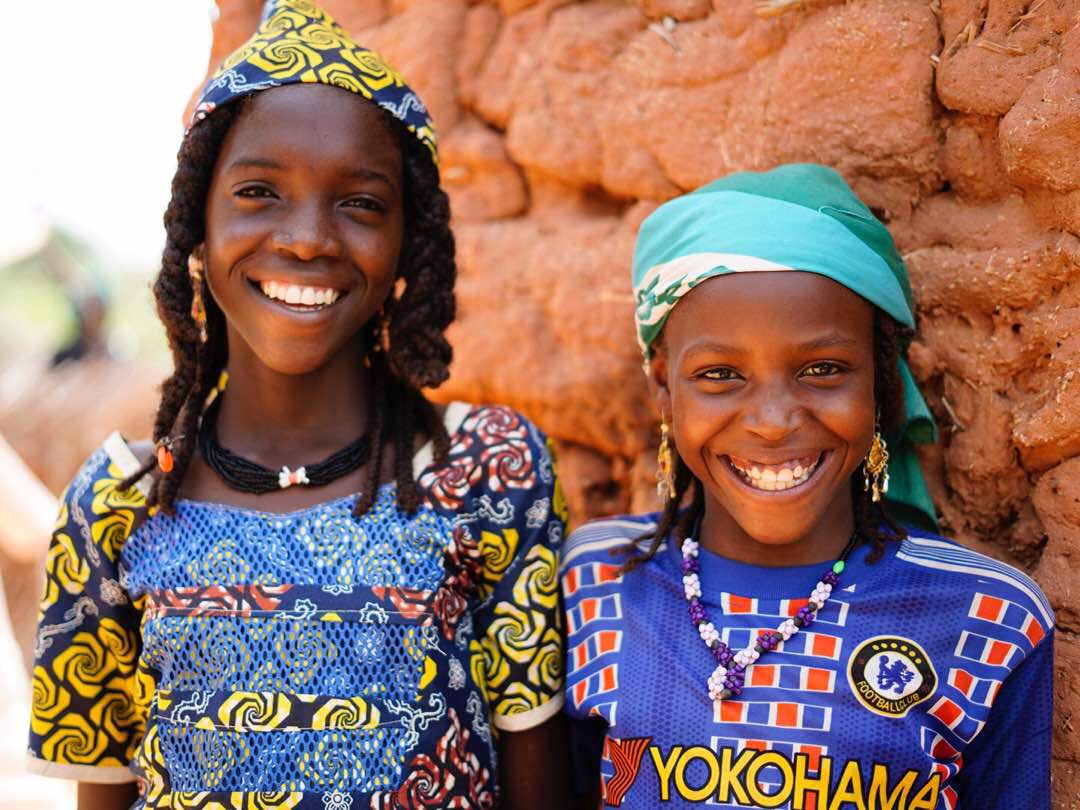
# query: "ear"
[[197, 258], [656, 371]]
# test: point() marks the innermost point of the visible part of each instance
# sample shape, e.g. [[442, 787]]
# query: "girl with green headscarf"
[[788, 631]]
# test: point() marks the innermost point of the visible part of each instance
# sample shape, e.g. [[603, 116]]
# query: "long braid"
[[173, 293], [417, 355], [872, 522], [377, 431], [669, 516]]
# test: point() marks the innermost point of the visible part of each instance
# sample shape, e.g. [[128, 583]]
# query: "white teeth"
[[294, 294], [776, 481]]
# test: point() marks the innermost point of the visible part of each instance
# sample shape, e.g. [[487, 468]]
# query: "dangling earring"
[[665, 469], [876, 468], [198, 308]]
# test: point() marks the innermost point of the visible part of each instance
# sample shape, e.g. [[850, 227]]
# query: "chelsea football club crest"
[[889, 675]]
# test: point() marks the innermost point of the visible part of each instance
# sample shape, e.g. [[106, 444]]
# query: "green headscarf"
[[796, 217]]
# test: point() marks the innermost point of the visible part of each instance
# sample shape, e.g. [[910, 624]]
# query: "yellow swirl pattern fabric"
[[298, 42], [229, 658]]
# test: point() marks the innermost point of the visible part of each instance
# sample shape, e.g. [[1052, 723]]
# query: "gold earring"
[[876, 474], [198, 307], [665, 474]]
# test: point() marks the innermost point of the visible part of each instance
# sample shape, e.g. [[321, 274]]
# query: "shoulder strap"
[[122, 457]]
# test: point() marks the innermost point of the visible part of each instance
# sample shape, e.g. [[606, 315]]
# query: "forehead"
[[314, 124], [770, 308]]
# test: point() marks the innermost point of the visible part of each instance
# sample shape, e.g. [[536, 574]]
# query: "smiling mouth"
[[781, 477], [299, 298]]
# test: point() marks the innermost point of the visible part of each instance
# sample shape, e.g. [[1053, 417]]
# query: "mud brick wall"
[[564, 123]]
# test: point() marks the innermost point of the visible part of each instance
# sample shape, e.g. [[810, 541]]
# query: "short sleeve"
[[519, 530], [87, 718], [1018, 732]]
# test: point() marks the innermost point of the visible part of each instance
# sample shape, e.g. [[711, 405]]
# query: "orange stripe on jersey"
[[757, 745], [795, 605], [571, 580], [817, 680], [813, 758], [962, 681], [989, 608], [740, 604], [942, 750], [581, 689], [947, 712], [588, 610], [607, 641], [762, 675], [730, 712], [580, 657], [999, 651], [787, 715], [607, 573], [824, 646], [1034, 631], [608, 678]]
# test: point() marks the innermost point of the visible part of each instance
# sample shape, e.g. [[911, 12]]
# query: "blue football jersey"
[[925, 682]]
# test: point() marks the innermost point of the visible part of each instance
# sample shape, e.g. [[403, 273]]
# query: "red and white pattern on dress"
[[216, 600]]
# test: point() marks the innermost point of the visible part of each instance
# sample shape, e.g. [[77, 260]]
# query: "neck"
[[721, 534], [276, 418]]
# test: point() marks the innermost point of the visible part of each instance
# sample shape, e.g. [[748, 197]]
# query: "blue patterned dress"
[[231, 658]]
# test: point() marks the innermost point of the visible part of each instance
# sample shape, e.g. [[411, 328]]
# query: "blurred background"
[[86, 157], [562, 123]]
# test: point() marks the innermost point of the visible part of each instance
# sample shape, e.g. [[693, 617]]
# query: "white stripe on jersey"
[[604, 534], [945, 556]]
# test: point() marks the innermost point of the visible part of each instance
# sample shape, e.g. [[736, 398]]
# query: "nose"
[[775, 413], [307, 232]]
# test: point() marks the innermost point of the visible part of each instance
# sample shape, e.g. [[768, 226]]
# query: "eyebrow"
[[824, 342], [717, 348], [273, 165], [828, 342]]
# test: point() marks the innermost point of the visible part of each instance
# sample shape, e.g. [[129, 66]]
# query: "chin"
[[772, 530], [294, 360]]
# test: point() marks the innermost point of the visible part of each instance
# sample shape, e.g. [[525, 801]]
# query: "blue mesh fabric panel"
[[232, 657], [324, 545]]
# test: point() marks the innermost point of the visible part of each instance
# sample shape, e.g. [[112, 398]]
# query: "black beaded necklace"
[[245, 475]]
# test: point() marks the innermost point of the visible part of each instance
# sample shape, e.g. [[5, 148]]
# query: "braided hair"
[[872, 523], [406, 348]]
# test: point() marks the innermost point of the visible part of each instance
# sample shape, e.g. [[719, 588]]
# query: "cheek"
[[850, 414], [696, 420]]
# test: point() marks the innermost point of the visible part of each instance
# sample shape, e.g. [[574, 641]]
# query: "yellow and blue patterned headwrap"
[[297, 42], [796, 217]]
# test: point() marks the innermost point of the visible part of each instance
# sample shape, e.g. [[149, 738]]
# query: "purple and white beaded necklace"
[[730, 673]]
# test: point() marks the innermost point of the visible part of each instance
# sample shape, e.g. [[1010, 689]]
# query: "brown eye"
[[365, 204], [823, 369], [254, 192], [722, 374]]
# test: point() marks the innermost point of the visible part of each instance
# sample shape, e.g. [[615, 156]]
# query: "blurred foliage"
[[41, 292]]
